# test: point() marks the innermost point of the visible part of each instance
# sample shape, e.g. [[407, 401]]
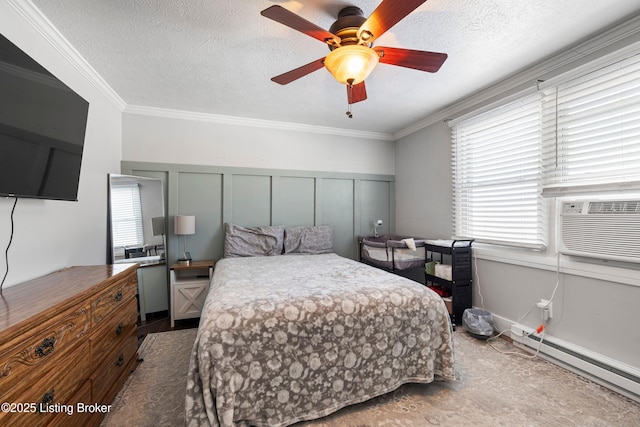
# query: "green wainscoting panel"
[[200, 194], [250, 197], [161, 175], [294, 200], [337, 207], [375, 203], [251, 200]]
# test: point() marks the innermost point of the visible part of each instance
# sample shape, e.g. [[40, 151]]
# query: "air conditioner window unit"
[[608, 229]]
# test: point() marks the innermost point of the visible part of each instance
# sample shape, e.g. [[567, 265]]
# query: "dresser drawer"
[[113, 332], [42, 348], [78, 418], [109, 377], [113, 298], [51, 393]]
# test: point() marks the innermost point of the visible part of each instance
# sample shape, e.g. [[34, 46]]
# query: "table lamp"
[[182, 226]]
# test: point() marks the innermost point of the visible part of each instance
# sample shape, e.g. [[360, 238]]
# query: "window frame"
[[477, 188]]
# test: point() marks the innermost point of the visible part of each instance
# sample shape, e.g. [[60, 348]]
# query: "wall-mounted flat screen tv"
[[42, 129]]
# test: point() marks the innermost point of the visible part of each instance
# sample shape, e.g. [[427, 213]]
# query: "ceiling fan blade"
[[290, 19], [292, 75], [416, 59], [356, 93], [387, 14]]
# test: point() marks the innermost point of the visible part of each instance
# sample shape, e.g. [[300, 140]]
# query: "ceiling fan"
[[350, 39]]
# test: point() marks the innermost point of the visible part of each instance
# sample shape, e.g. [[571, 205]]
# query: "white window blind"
[[126, 215], [591, 130], [496, 168]]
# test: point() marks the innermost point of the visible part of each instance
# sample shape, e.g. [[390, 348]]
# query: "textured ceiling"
[[217, 56]]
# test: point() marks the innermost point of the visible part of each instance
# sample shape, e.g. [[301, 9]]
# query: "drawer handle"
[[120, 361], [118, 296], [46, 347], [119, 329], [47, 399]]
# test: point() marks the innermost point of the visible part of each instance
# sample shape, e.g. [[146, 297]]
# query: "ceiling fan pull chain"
[[350, 89], [348, 113]]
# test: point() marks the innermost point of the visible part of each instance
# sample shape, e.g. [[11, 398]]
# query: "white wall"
[[598, 314], [181, 140], [50, 235], [423, 183], [596, 302]]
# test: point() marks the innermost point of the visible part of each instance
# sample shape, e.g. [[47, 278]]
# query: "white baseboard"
[[622, 378]]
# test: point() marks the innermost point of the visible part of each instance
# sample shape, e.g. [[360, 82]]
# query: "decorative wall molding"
[[44, 27], [253, 196], [34, 17], [610, 41], [601, 44], [244, 121]]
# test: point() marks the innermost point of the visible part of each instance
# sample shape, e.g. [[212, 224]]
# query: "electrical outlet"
[[547, 309]]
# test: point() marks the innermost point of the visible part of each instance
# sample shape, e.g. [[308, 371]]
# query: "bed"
[[297, 336]]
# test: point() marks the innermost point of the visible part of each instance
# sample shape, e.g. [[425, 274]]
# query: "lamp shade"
[[351, 64], [184, 224]]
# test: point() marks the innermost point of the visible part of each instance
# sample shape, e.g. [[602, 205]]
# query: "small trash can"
[[479, 323]]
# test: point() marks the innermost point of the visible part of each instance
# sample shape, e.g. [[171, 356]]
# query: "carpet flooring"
[[491, 389]]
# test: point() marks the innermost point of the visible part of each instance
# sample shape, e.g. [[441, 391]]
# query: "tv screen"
[[42, 129]]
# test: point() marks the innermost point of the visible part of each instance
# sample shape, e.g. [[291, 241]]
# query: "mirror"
[[136, 220]]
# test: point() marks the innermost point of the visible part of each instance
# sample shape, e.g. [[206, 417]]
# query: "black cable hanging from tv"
[[6, 252]]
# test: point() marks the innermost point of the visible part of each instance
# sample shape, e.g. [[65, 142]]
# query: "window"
[[497, 171], [126, 214], [579, 135], [592, 130]]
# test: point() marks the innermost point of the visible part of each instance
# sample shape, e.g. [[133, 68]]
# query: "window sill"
[[611, 271]]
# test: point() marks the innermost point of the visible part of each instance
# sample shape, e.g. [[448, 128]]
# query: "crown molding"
[[248, 122], [617, 38], [34, 17]]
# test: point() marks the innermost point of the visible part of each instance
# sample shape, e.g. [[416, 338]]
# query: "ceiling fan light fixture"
[[351, 64]]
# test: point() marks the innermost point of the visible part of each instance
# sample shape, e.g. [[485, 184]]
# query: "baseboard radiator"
[[622, 378]]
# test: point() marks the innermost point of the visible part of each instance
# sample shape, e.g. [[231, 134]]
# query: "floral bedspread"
[[296, 337]]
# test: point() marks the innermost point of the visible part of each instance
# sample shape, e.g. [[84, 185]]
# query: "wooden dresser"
[[68, 341]]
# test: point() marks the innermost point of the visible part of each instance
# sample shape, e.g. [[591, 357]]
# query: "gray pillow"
[[253, 241], [308, 239]]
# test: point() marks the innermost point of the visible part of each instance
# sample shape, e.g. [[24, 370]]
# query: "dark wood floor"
[[160, 322]]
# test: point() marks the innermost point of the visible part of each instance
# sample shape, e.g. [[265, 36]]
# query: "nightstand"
[[189, 287]]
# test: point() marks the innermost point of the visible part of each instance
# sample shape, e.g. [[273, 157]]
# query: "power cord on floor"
[[6, 252], [475, 268], [540, 330]]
